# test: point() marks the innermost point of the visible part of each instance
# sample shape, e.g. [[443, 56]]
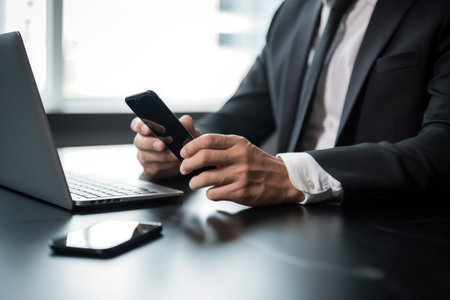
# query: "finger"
[[213, 177], [149, 157], [161, 174], [209, 141], [234, 192], [139, 127], [162, 170], [135, 124], [206, 158], [148, 143], [162, 165], [159, 164], [188, 123]]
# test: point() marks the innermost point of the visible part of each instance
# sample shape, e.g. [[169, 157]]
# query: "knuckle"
[[240, 171], [208, 139], [153, 171], [147, 158], [186, 120], [244, 158], [211, 194], [133, 125], [142, 142], [242, 193], [203, 155], [136, 140], [246, 173], [150, 171], [188, 147], [194, 183], [207, 177], [240, 140], [144, 158]]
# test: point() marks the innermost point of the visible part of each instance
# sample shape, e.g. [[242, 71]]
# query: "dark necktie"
[[337, 10]]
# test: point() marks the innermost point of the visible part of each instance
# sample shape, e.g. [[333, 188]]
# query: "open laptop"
[[29, 161]]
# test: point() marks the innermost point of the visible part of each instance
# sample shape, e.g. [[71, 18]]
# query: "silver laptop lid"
[[29, 162]]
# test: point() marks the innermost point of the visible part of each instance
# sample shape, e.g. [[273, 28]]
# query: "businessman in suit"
[[363, 117]]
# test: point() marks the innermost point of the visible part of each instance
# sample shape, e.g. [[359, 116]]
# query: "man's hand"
[[157, 160], [244, 173]]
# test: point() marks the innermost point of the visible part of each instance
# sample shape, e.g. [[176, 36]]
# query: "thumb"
[[188, 123]]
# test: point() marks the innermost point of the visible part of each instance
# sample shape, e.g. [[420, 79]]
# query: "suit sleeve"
[[414, 168], [249, 112]]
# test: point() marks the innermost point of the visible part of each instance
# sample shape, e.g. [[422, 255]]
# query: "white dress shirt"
[[321, 130]]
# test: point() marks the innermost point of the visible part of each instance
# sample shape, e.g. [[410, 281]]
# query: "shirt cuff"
[[308, 177]]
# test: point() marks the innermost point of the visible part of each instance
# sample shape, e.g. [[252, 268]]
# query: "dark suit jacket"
[[394, 136]]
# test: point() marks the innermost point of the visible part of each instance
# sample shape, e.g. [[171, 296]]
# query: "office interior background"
[[88, 55]]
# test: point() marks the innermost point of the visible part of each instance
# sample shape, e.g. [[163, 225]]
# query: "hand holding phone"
[[162, 122]]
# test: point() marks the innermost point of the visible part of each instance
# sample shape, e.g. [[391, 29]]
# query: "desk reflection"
[[222, 226]]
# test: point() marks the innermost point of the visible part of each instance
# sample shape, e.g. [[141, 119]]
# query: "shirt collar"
[[328, 2]]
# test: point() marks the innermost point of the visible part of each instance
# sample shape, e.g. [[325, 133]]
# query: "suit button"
[[331, 124], [310, 185]]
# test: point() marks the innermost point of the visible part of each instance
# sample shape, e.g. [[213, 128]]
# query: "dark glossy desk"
[[226, 251]]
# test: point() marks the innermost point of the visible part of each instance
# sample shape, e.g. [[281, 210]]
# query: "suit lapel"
[[385, 19], [305, 28]]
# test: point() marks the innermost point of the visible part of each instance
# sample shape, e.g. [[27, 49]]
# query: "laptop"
[[29, 161]]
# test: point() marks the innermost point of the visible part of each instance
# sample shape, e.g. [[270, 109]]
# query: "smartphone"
[[162, 122], [106, 238]]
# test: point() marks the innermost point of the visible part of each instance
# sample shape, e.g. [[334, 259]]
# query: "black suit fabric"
[[394, 135]]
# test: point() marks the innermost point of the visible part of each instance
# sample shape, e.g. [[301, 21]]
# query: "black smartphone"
[[162, 122], [106, 238]]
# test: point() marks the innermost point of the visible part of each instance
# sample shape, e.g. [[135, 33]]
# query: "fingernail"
[[182, 171], [183, 153], [144, 129], [157, 145]]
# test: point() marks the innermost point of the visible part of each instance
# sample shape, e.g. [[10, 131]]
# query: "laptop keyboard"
[[85, 189]]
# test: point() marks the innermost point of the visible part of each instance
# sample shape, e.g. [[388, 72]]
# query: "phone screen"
[[106, 238]]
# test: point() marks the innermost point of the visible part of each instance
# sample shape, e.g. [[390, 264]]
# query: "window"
[[28, 17], [88, 55]]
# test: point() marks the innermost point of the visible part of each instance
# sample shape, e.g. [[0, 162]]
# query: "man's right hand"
[[157, 160]]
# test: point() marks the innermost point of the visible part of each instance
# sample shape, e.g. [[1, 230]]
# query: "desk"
[[221, 250]]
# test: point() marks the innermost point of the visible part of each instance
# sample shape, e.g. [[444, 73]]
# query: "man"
[[374, 126]]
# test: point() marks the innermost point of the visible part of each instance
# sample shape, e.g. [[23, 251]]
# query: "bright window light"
[[193, 53]]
